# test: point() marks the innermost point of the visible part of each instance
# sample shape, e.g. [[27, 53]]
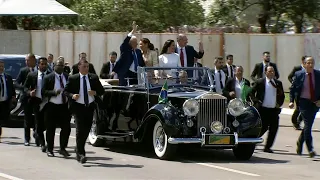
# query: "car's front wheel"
[[162, 148], [244, 151], [93, 135]]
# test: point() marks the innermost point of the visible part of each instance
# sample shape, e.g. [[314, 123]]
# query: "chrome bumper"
[[201, 140]]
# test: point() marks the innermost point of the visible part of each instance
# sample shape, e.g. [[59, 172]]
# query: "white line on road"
[[228, 169], [9, 177], [69, 136]]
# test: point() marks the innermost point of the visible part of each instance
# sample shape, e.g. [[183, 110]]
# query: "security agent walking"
[[7, 95], [305, 89], [33, 86], [82, 89], [269, 95], [27, 107], [56, 111], [296, 119]]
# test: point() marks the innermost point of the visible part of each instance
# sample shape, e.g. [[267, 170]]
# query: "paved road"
[[131, 162]]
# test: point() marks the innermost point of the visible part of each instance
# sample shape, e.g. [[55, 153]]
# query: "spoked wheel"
[[93, 135], [162, 148]]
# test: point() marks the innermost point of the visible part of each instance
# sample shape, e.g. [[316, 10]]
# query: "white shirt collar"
[[216, 70], [268, 80], [81, 75], [39, 72], [180, 47], [58, 74]]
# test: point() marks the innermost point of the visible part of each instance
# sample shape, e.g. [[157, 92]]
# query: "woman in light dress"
[[149, 55], [168, 58]]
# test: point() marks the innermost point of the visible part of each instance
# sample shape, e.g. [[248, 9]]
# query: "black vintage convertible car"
[[193, 114]]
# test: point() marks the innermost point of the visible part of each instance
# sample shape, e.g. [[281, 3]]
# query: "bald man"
[[129, 60]]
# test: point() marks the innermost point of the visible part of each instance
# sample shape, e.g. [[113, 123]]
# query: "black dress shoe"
[[26, 143], [267, 150], [36, 138], [312, 154], [43, 148], [64, 153], [83, 159], [50, 154]]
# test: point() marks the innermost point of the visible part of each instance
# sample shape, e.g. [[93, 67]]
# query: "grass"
[[287, 98]]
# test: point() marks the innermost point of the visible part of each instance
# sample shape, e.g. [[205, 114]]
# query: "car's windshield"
[[189, 76], [13, 65]]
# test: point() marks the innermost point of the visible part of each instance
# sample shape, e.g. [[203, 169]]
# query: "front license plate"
[[219, 139]]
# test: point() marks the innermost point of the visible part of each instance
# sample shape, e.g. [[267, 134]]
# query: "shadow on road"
[[95, 164]]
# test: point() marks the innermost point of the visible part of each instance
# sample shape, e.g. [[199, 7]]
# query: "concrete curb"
[[287, 111]]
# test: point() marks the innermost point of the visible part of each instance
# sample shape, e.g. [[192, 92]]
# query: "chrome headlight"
[[191, 107], [216, 127], [236, 107]]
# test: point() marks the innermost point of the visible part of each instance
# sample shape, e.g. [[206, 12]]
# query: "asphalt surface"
[[129, 161]]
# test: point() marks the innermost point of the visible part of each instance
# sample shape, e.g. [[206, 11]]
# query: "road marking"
[[69, 136], [9, 177], [228, 169]]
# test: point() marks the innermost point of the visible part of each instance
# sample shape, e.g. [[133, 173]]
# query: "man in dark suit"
[[233, 85], [229, 68], [296, 119], [107, 68], [7, 95], [50, 62], [82, 90], [56, 112], [268, 93], [258, 71], [32, 87], [130, 59], [82, 56], [305, 89], [27, 107]]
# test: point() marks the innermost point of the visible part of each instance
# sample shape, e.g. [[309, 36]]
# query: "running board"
[[115, 135]]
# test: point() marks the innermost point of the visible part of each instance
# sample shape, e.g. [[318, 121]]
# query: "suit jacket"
[[225, 69], [126, 59], [258, 92], [298, 82], [31, 84], [67, 69], [48, 85], [73, 87], [191, 54], [230, 86], [9, 87], [258, 70], [205, 80], [105, 71], [294, 70], [75, 69], [22, 76]]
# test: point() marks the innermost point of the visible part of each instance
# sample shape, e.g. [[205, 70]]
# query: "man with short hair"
[[32, 87], [82, 56], [259, 69], [129, 60], [107, 68], [56, 111], [50, 62], [82, 89], [229, 68], [7, 95], [269, 95], [305, 90]]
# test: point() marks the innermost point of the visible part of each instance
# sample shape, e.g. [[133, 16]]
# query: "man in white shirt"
[[56, 111], [33, 86], [82, 89], [269, 95], [50, 62], [229, 68], [107, 68], [219, 76]]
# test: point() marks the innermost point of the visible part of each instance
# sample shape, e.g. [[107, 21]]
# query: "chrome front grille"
[[212, 109]]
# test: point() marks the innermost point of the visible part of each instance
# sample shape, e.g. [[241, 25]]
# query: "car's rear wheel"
[[162, 148], [93, 135], [244, 151]]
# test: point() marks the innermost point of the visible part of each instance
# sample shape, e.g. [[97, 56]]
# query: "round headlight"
[[191, 107], [236, 107], [216, 127]]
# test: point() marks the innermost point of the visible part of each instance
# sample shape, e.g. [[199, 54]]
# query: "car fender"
[[166, 114]]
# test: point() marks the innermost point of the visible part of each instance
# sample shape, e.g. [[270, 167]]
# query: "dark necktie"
[[32, 69], [311, 88], [42, 81], [135, 60], [112, 66], [64, 100], [2, 86], [273, 84], [231, 71], [220, 79], [181, 58], [85, 91]]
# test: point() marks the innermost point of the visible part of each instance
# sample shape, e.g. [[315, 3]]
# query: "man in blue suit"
[[305, 89], [129, 60]]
